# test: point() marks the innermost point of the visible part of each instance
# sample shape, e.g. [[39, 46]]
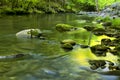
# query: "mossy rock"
[[117, 35], [64, 27], [111, 32], [115, 42], [114, 68], [99, 31], [106, 42], [84, 46], [89, 28], [99, 50], [29, 33], [114, 52], [68, 41], [67, 46], [95, 64], [109, 23]]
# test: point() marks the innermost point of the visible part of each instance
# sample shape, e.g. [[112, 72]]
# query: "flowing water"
[[48, 60]]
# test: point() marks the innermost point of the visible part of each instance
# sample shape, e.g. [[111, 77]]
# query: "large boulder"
[[29, 33]]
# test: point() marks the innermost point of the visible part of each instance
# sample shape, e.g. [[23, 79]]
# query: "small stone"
[[69, 41]]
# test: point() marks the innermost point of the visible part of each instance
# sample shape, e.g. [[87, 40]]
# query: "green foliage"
[[50, 6], [116, 22], [106, 19]]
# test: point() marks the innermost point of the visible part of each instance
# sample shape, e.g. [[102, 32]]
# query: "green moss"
[[33, 32], [63, 27], [67, 46], [116, 22]]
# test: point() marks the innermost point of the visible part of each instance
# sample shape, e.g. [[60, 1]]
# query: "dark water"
[[48, 61]]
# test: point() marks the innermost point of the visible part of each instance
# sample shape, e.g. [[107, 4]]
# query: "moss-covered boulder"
[[99, 50], [89, 28], [106, 42], [116, 50], [64, 27], [107, 23], [29, 33], [68, 41], [115, 42], [99, 31], [95, 64], [111, 32], [101, 64], [67, 46]]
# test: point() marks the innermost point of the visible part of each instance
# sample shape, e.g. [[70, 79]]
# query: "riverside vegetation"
[[49, 6]]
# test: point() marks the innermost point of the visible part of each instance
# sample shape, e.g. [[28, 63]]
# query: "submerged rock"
[[29, 33], [14, 57]]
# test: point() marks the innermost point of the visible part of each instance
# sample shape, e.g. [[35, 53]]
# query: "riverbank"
[[19, 7]]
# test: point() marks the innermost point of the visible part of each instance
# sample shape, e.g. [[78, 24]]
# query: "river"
[[49, 61]]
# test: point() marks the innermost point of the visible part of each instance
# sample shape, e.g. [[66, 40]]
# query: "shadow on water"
[[46, 60]]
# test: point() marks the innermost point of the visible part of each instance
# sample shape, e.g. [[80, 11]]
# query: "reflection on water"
[[48, 61]]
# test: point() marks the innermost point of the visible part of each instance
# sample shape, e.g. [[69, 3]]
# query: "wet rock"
[[111, 63], [107, 23], [29, 33], [67, 46], [89, 28], [64, 27], [114, 52], [110, 32], [95, 64], [99, 50], [106, 42], [115, 42], [99, 31], [94, 67], [19, 55], [114, 68], [84, 46], [117, 35], [68, 41]]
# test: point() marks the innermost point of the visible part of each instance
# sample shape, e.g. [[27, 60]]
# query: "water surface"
[[49, 61]]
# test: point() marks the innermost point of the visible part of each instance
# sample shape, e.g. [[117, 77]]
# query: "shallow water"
[[49, 61]]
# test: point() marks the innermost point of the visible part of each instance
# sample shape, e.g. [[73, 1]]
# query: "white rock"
[[27, 33]]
